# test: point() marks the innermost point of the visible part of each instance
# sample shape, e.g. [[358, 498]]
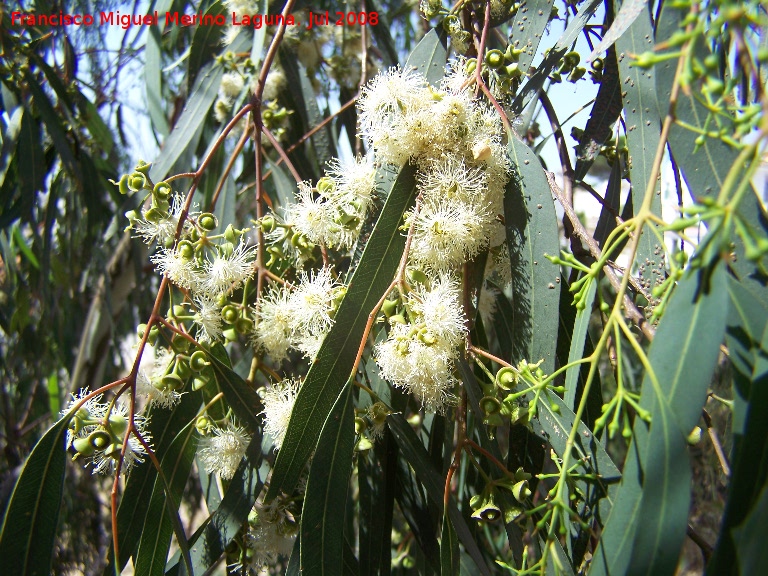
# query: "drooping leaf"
[[29, 527], [450, 559], [322, 535], [162, 512], [418, 458], [243, 400], [186, 132], [333, 365], [648, 520], [376, 480], [643, 127], [531, 224], [576, 352], [747, 341], [527, 29], [429, 56], [206, 40], [629, 12]]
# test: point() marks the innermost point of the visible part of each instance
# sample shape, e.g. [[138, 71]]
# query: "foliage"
[[400, 363]]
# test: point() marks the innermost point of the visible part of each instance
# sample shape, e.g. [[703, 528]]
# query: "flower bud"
[[490, 405], [494, 58], [137, 181], [180, 344], [230, 334], [162, 191], [230, 314], [203, 424], [207, 221], [155, 215], [186, 250], [99, 439], [521, 491], [172, 382], [199, 382], [83, 446], [143, 167], [198, 360], [268, 224], [326, 186], [122, 186], [243, 325], [506, 379], [230, 235], [118, 424]]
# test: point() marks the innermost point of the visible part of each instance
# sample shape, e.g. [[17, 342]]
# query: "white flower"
[[222, 451], [232, 84], [226, 273], [408, 361], [275, 83], [179, 270], [278, 404], [149, 379], [312, 215], [208, 319], [311, 309], [267, 542], [272, 330], [440, 309], [164, 230]]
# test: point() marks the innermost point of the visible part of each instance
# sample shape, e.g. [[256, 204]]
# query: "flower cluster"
[[97, 431], [278, 402], [298, 318], [222, 449], [418, 355], [456, 143]]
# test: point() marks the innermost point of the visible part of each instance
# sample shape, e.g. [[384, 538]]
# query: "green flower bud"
[[180, 344], [143, 167], [268, 224], [140, 330], [118, 424], [576, 74], [162, 191], [490, 405], [389, 307], [178, 310], [326, 186], [83, 446], [186, 249], [485, 510], [506, 379], [521, 491], [494, 59], [230, 334], [360, 425], [199, 382], [137, 181], [99, 439], [230, 235], [155, 215], [470, 66], [172, 382], [122, 186], [203, 424], [182, 369], [207, 221], [244, 325], [154, 332], [230, 314], [198, 360], [597, 64], [132, 216]]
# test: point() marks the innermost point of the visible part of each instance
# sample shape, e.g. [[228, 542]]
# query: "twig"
[[715, 439], [632, 312]]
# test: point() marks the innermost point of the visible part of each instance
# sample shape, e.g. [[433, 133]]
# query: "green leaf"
[[704, 169], [576, 352], [29, 527], [30, 159], [563, 45], [528, 27], [185, 133], [417, 458], [162, 513], [218, 531], [531, 224], [751, 552], [643, 129], [205, 42], [243, 399], [630, 10], [164, 425], [450, 559], [429, 56], [153, 81], [747, 341], [647, 524], [322, 535], [376, 479], [333, 365]]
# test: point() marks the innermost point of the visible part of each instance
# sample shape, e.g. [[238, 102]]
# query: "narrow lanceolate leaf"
[[376, 479], [747, 341], [162, 512], [531, 224], [638, 90], [578, 339], [628, 13], [239, 396], [647, 524], [429, 56], [30, 158], [164, 425], [29, 527], [207, 546], [527, 29], [322, 534], [333, 365], [186, 131], [704, 168], [450, 559], [417, 457], [206, 41], [564, 43]]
